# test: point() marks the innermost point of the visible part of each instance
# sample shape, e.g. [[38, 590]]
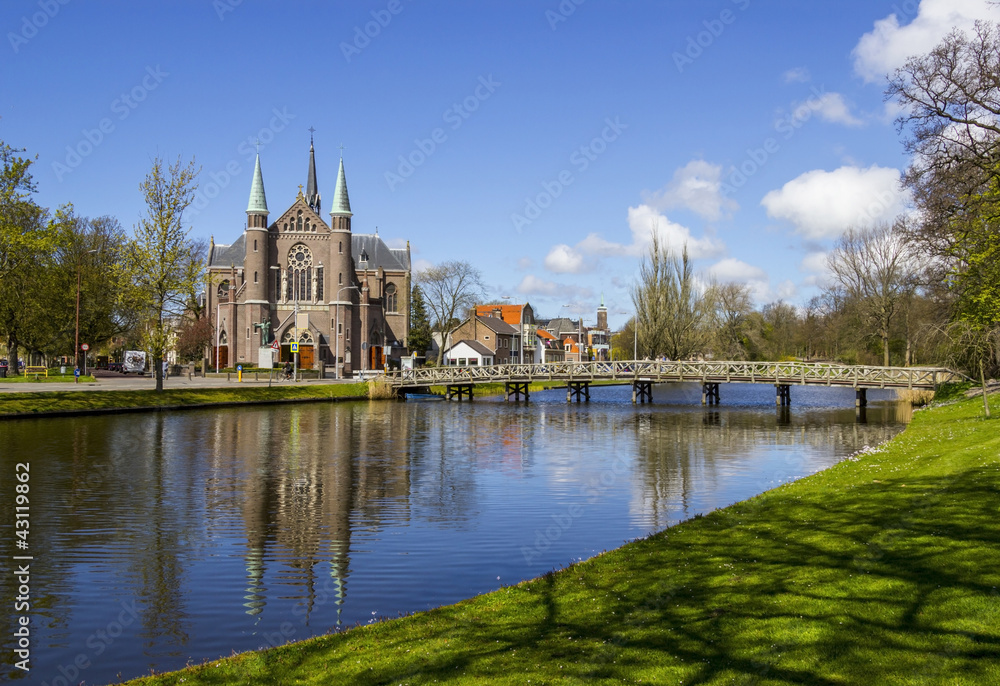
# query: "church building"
[[343, 297]]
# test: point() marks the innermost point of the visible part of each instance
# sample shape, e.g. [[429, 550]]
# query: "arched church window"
[[307, 225], [390, 298], [300, 272], [223, 291], [340, 247], [299, 222]]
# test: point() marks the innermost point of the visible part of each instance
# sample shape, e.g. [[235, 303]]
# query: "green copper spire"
[[341, 203], [258, 203]]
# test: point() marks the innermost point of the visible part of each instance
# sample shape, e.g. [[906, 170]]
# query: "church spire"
[[312, 189], [258, 202], [341, 203]]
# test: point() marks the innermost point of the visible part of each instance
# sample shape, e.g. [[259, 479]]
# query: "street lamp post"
[[76, 340], [336, 332]]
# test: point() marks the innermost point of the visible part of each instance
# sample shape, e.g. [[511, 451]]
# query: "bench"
[[29, 369]]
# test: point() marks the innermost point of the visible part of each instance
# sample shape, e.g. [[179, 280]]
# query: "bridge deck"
[[784, 373]]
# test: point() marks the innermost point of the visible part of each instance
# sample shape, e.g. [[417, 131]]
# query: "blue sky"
[[542, 141]]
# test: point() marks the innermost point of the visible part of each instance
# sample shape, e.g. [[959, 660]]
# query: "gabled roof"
[[378, 253], [292, 213], [561, 325], [509, 313], [497, 325], [475, 345], [542, 333], [228, 255]]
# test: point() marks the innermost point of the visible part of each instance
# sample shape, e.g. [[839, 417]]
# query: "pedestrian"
[[288, 370], [165, 368]]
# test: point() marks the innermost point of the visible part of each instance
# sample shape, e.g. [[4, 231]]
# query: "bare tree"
[[449, 289], [876, 268], [671, 313], [733, 319]]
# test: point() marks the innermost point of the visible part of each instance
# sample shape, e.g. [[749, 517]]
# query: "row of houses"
[[510, 334]]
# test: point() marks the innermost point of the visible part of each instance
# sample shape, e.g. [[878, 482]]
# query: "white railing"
[[790, 373]]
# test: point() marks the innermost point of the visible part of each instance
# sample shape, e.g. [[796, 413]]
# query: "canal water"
[[165, 539]]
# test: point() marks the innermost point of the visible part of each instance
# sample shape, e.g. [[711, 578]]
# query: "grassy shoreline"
[[883, 569], [64, 403]]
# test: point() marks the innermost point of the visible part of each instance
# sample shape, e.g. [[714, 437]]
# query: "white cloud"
[[797, 75], [562, 259], [815, 266], [525, 263], [831, 107], [731, 270], [696, 186], [420, 265], [823, 204], [892, 39], [641, 221], [532, 285], [787, 290]]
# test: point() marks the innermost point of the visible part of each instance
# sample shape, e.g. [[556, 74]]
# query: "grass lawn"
[[41, 378], [881, 570], [21, 404]]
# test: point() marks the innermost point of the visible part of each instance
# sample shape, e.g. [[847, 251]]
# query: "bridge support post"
[[642, 391], [861, 397], [574, 389], [458, 391], [783, 394], [710, 393], [516, 389]]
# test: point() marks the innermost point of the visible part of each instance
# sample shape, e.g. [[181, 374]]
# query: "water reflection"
[[190, 535]]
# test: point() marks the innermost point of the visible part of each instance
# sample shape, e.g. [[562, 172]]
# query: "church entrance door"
[[375, 357], [306, 356], [223, 356]]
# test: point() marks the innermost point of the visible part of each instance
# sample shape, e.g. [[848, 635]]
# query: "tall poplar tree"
[[164, 262]]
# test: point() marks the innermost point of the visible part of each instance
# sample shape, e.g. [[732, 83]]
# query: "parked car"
[[114, 366]]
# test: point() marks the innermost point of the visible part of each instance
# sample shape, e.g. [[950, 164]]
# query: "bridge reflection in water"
[[642, 374]]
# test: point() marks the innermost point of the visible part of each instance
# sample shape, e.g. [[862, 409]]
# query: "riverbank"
[[883, 569], [74, 402]]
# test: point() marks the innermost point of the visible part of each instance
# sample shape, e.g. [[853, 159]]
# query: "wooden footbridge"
[[642, 374]]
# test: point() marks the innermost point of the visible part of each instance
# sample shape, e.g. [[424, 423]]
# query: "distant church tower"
[[602, 316]]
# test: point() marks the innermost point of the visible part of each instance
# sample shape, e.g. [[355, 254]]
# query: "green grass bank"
[[46, 403], [884, 569]]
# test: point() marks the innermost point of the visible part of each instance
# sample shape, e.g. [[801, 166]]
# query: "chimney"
[[498, 313]]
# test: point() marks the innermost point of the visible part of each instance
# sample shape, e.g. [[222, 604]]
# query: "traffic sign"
[[274, 346], [239, 368], [295, 347], [84, 347]]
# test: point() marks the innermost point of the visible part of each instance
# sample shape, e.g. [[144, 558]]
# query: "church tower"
[[602, 316], [256, 262], [342, 275], [312, 190]]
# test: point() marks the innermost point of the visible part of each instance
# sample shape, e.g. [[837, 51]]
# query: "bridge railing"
[[813, 373]]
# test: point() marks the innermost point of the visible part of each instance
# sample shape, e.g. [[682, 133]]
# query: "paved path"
[[113, 381]]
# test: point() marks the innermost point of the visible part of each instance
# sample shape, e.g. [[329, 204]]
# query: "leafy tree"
[[164, 263], [25, 241], [419, 338], [671, 314], [450, 288], [193, 335]]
